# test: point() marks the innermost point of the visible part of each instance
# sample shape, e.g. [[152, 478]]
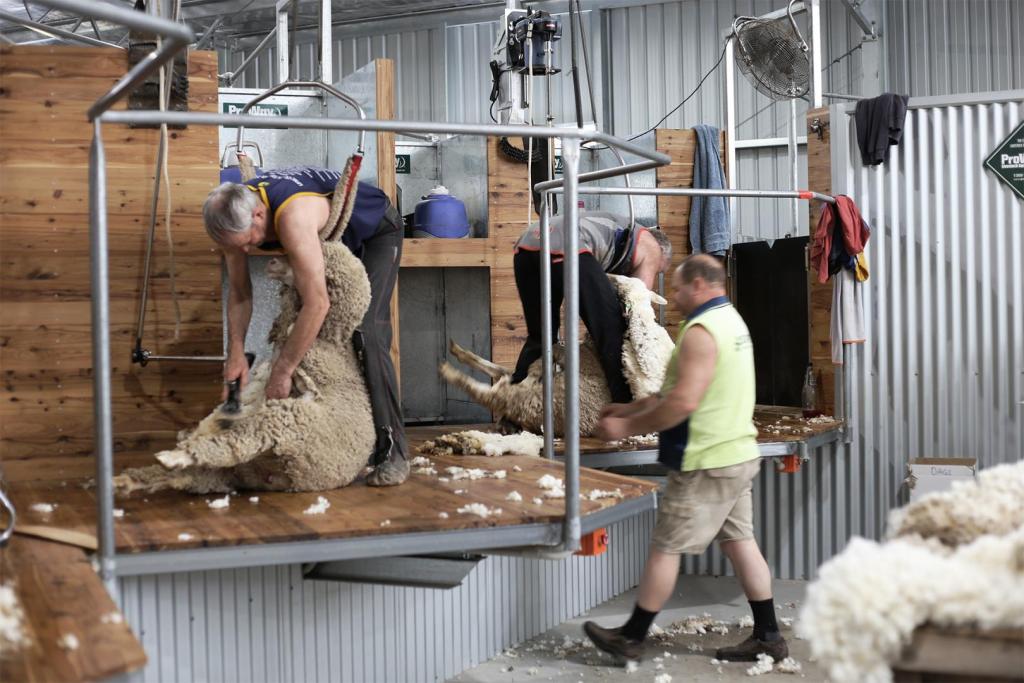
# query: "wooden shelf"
[[473, 252]]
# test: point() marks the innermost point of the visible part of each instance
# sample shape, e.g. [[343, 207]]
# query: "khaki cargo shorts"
[[701, 506]]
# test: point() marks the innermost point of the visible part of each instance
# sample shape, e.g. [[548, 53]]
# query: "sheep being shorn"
[[320, 438], [868, 601], [645, 352]]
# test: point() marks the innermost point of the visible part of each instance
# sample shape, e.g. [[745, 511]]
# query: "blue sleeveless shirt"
[[278, 187]]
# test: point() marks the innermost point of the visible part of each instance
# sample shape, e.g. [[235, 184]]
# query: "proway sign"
[[1007, 161]]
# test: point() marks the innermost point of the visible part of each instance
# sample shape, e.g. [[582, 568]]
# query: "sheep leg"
[[477, 390], [244, 440], [492, 370], [156, 478]]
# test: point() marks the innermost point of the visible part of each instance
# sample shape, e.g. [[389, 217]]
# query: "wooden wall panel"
[[385, 71], [674, 212], [819, 179], [45, 339], [508, 200]]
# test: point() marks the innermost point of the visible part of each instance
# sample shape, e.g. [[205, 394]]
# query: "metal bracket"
[[870, 29], [818, 127]]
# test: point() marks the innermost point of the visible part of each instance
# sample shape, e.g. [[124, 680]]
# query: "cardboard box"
[[927, 475]]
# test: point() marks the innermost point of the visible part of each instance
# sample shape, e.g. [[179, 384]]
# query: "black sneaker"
[[612, 641], [749, 649]]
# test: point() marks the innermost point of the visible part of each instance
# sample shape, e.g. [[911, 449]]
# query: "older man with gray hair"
[[287, 209]]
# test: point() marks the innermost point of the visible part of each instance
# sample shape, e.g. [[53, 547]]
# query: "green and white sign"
[[256, 110], [1007, 162], [403, 163]]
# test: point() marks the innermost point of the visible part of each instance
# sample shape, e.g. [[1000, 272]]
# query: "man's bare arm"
[[239, 314], [305, 256], [697, 356]]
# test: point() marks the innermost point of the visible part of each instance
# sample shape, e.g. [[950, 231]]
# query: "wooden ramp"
[[361, 521], [61, 597]]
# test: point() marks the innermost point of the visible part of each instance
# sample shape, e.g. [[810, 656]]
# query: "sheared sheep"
[[645, 353], [318, 439], [868, 601]]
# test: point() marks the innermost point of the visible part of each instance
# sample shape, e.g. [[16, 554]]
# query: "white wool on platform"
[[867, 601]]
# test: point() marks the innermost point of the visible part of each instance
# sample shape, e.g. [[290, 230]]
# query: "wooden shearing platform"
[[177, 531], [781, 431]]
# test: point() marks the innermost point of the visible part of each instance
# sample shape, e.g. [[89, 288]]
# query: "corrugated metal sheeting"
[[269, 624], [944, 372], [419, 55], [946, 47]]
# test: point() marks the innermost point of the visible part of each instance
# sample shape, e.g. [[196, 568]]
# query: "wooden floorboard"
[[157, 521], [792, 428], [60, 594]]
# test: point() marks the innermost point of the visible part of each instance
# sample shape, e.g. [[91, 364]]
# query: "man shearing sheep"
[[286, 209], [606, 246]]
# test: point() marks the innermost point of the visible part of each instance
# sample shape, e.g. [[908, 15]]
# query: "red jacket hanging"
[[841, 235]]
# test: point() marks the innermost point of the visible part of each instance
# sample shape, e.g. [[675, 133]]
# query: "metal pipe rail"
[[571, 140], [702, 192], [229, 77], [330, 89]]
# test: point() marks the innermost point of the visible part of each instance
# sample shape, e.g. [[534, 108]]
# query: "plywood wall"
[[674, 212], [819, 179], [508, 198], [46, 409]]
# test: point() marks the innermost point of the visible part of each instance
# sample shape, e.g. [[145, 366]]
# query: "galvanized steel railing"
[[175, 36]]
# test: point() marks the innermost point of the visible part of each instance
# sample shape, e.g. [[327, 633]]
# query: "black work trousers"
[[382, 255], [600, 310]]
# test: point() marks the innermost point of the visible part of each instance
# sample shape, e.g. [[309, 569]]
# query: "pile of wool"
[[868, 601], [993, 503], [473, 442]]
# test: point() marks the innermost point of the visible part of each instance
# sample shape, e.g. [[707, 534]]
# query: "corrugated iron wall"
[[947, 47], [657, 54], [269, 624], [418, 54], [944, 371]]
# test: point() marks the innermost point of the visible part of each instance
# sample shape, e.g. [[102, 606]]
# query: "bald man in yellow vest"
[[704, 416]]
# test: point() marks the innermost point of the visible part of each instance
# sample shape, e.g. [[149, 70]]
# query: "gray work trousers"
[[381, 257]]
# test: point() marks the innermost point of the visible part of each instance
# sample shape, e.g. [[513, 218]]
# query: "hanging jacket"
[[879, 125], [840, 236]]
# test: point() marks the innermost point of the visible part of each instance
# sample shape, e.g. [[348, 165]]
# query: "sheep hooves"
[[492, 370]]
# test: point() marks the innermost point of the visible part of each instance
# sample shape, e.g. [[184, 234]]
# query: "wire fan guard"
[[773, 56]]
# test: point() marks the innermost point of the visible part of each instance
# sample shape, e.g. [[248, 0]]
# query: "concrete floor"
[[551, 657]]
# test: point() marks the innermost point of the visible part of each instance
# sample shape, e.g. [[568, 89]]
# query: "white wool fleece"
[[867, 602]]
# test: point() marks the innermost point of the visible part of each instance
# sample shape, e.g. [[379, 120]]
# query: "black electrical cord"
[[520, 155], [678, 106]]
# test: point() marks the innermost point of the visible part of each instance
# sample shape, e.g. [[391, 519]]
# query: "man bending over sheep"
[[707, 437], [287, 209], [606, 247]]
